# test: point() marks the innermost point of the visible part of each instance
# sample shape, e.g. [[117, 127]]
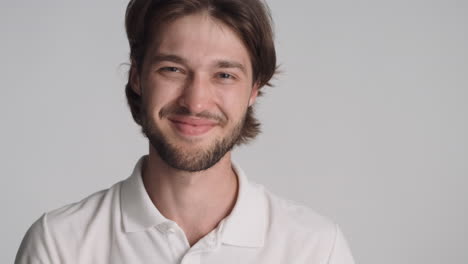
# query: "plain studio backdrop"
[[367, 124]]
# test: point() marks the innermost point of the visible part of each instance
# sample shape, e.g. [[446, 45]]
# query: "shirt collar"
[[138, 211], [244, 226]]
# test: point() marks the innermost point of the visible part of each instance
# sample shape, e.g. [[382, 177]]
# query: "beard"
[[184, 159]]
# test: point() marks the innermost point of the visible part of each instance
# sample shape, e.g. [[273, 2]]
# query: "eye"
[[224, 75], [171, 69]]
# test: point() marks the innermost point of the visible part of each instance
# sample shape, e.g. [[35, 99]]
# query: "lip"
[[189, 126]]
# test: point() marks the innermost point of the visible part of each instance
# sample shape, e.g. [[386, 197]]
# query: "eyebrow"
[[225, 64], [167, 57], [231, 64]]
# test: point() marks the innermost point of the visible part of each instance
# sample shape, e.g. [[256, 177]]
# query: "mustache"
[[183, 111]]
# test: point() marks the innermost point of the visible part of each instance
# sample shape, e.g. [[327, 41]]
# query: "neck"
[[196, 201]]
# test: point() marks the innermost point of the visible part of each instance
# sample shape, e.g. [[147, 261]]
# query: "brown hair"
[[250, 19]]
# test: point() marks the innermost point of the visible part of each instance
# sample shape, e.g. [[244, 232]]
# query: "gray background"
[[367, 123]]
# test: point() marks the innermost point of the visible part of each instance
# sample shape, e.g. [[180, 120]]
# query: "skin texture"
[[196, 84]]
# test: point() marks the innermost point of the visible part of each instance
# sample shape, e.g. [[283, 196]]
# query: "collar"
[[138, 211], [244, 226]]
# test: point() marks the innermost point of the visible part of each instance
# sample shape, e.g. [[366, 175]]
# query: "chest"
[[173, 247]]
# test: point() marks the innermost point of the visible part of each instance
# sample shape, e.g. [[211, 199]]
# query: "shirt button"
[[167, 228]]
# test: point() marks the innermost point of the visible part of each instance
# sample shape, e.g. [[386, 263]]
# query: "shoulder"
[[92, 206], [300, 227], [297, 224], [295, 215], [60, 229]]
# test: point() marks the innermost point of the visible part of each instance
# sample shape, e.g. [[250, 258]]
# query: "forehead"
[[200, 39]]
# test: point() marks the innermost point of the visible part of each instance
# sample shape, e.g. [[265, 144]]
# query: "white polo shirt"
[[122, 225]]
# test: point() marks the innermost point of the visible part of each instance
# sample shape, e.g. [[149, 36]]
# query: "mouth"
[[191, 126]]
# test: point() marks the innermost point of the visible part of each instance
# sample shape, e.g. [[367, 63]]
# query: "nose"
[[197, 94]]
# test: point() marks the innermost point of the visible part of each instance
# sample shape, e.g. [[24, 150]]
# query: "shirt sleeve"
[[340, 253], [37, 245]]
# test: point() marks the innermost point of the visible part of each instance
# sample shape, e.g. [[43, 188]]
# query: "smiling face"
[[196, 85]]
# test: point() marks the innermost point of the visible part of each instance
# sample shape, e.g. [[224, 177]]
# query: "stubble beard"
[[191, 160]]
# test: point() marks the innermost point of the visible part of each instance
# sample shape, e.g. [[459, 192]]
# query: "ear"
[[254, 93], [134, 79]]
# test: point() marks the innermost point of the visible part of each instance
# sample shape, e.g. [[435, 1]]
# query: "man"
[[197, 67]]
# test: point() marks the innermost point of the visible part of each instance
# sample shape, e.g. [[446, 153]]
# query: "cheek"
[[235, 102], [157, 95]]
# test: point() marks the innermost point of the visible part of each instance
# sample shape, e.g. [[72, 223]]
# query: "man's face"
[[196, 86]]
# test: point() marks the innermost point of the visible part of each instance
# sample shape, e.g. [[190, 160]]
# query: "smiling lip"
[[190, 126]]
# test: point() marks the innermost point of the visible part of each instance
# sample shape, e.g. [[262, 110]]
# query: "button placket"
[[191, 258], [176, 244], [211, 241], [207, 244]]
